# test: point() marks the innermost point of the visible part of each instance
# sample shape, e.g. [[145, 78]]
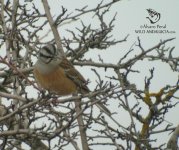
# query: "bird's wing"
[[81, 83], [74, 75]]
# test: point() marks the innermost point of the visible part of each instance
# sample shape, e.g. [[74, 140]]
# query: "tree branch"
[[172, 143]]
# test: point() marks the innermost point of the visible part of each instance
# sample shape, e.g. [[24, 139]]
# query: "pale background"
[[130, 15]]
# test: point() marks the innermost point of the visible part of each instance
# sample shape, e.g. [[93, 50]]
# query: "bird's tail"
[[103, 108]]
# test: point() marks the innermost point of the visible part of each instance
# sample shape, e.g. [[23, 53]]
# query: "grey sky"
[[131, 15]]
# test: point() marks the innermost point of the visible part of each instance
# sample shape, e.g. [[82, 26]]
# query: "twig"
[[172, 143], [53, 26], [81, 124]]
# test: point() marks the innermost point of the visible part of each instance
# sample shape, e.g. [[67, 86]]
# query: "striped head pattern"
[[48, 54]]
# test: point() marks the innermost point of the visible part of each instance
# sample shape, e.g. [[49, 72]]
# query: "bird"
[[55, 73]]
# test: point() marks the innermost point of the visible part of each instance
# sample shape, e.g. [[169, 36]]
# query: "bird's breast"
[[55, 81]]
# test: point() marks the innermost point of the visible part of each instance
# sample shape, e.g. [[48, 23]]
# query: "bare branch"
[[172, 143], [53, 26]]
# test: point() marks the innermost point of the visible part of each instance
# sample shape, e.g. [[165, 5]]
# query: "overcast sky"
[[131, 16]]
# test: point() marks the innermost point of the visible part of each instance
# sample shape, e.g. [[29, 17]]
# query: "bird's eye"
[[45, 56]]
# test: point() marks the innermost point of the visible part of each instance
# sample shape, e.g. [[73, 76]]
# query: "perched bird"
[[55, 73]]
